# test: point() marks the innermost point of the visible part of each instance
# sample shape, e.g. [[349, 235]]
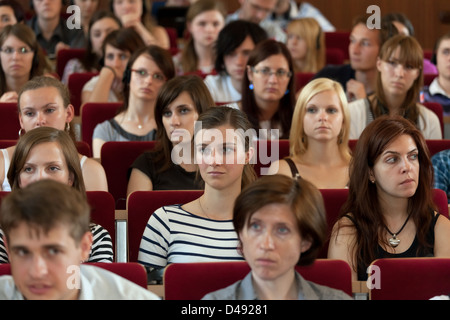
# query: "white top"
[[96, 284], [360, 116], [222, 90]]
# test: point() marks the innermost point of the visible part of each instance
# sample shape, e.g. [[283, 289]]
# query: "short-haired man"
[[359, 77], [47, 235], [258, 11]]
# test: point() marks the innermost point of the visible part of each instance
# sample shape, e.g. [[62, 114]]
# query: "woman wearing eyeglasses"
[[21, 59], [147, 70], [268, 91]]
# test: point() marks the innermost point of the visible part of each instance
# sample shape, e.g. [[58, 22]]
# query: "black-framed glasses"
[[266, 72], [143, 74], [10, 50]]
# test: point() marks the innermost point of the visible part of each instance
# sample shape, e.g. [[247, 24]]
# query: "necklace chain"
[[201, 207], [394, 242]]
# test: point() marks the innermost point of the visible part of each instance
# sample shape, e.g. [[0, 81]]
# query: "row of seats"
[[431, 277]]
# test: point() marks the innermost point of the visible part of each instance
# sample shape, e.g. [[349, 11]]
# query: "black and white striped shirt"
[[174, 235]]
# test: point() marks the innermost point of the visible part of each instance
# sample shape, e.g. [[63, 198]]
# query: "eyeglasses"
[[143, 74], [9, 50], [266, 72]]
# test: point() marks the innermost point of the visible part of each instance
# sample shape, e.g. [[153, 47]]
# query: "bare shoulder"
[[280, 167]]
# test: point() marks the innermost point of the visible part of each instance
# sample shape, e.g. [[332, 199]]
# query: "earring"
[[373, 181], [287, 91], [21, 131], [251, 86], [68, 127]]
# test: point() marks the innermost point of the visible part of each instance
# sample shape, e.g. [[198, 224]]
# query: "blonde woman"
[[306, 43], [319, 150]]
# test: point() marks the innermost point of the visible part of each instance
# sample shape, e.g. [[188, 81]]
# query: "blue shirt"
[[441, 164]]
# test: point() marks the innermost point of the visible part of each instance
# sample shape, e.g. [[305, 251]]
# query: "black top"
[[174, 178], [73, 37], [339, 73], [412, 251]]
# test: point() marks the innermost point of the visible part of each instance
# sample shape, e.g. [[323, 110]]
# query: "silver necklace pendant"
[[139, 126], [394, 242]]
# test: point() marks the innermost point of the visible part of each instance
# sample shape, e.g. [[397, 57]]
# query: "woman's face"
[[323, 117], [443, 59], [179, 118], [87, 8], [7, 17], [116, 59], [270, 78], [16, 58], [45, 161], [146, 78], [125, 7], [396, 170], [271, 242], [99, 30], [236, 61], [205, 27], [221, 156], [396, 77], [297, 46], [44, 107]]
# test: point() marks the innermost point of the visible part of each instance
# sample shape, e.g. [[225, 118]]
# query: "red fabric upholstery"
[[410, 278], [206, 277], [84, 149], [9, 121], [93, 113], [116, 159], [64, 55], [339, 40], [334, 56], [437, 109], [437, 145], [75, 84], [128, 270], [103, 211], [173, 38], [6, 143], [428, 79], [302, 79], [142, 204], [132, 271], [264, 156], [333, 200], [440, 199]]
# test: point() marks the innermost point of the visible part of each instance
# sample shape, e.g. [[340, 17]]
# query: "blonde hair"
[[310, 30], [298, 140]]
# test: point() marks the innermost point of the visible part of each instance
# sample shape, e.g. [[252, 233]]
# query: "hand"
[[355, 90], [61, 45], [10, 96], [130, 20]]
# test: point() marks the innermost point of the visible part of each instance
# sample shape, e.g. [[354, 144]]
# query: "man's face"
[[45, 265], [256, 10], [364, 48]]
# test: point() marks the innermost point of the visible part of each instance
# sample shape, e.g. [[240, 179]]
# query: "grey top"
[[110, 130], [244, 290]]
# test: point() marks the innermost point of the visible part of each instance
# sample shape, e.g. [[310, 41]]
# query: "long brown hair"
[[25, 34], [201, 97], [411, 54], [283, 116], [363, 203], [189, 58]]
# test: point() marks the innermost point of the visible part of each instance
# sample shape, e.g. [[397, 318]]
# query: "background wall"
[[424, 14]]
